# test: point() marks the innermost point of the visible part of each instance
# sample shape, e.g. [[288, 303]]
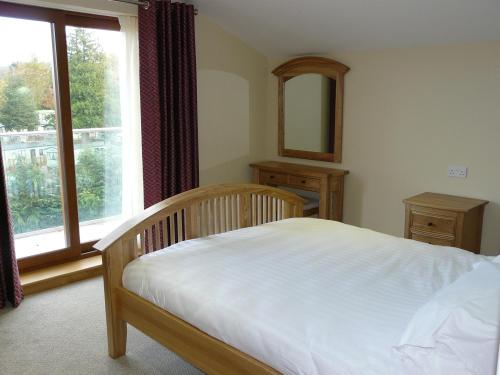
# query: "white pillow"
[[459, 327]]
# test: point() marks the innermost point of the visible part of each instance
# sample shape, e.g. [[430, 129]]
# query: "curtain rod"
[[144, 4]]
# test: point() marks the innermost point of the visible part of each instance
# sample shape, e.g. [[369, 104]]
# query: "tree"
[[37, 76], [3, 84], [18, 110], [34, 190], [90, 184], [112, 114], [93, 82], [99, 184], [87, 73], [34, 203], [113, 179], [50, 120]]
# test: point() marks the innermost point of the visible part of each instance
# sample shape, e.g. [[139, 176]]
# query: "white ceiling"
[[295, 27]]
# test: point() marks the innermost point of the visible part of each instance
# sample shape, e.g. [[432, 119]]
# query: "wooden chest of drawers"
[[445, 220]]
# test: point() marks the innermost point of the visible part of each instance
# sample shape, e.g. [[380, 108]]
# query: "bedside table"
[[446, 220]]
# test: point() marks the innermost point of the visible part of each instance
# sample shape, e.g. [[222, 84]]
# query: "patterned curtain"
[[167, 60], [10, 285]]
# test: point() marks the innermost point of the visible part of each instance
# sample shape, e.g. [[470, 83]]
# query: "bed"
[[235, 281]]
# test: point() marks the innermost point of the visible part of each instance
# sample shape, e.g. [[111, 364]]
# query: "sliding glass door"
[[96, 122], [60, 130], [28, 133]]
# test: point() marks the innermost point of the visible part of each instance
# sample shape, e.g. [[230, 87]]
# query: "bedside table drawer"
[[433, 240], [272, 178], [432, 222], [304, 182]]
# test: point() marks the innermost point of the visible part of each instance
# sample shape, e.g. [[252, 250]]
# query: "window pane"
[[97, 132], [28, 125]]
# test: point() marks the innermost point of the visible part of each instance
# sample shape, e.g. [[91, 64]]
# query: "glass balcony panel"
[[28, 123]]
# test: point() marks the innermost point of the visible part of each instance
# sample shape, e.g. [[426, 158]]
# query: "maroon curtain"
[[10, 285], [167, 59]]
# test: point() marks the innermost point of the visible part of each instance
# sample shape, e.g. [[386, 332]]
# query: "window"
[[60, 129], [96, 124]]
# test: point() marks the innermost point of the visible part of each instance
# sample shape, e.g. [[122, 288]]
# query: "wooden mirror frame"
[[319, 65]]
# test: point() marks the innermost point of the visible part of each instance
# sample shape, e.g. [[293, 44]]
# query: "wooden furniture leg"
[[116, 328]]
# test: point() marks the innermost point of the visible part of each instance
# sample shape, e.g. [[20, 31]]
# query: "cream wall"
[[410, 113], [232, 104]]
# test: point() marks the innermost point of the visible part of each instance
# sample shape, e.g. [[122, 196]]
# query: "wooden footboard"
[[195, 213]]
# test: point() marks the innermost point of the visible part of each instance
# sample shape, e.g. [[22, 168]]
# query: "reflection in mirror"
[[309, 112]]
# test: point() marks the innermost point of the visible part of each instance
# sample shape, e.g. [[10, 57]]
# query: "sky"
[[21, 40]]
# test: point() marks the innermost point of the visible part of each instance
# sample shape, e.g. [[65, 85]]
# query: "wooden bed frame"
[[195, 213]]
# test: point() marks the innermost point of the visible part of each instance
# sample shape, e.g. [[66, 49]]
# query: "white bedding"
[[306, 296]]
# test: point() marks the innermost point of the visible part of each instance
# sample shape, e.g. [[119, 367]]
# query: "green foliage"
[[113, 179], [3, 84], [98, 183], [18, 110], [37, 76], [90, 184], [34, 204], [24, 89], [94, 86], [94, 89], [34, 190], [112, 115], [50, 120]]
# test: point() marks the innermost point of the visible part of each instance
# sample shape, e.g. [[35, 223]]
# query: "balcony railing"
[[31, 161]]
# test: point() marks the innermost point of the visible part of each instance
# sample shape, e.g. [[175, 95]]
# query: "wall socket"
[[457, 171]]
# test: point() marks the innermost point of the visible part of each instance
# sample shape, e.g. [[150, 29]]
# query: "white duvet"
[[305, 296]]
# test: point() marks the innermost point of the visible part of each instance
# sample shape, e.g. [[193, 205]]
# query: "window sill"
[[61, 274]]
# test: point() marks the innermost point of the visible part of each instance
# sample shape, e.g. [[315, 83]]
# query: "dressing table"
[[327, 182], [310, 106]]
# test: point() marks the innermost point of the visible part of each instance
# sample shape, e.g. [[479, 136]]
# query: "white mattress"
[[306, 296]]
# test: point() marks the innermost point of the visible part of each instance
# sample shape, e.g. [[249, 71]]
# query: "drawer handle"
[[303, 181], [271, 176], [430, 224]]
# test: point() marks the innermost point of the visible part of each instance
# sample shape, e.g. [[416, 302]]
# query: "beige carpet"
[[62, 331]]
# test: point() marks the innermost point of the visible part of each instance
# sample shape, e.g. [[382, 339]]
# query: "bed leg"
[[116, 328], [117, 338]]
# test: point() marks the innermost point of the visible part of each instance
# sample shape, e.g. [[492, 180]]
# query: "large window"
[[60, 129]]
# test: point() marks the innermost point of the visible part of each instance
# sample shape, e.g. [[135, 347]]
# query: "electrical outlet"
[[457, 171]]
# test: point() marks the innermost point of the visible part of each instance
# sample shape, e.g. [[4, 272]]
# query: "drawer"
[[432, 222], [271, 178], [302, 182], [433, 240]]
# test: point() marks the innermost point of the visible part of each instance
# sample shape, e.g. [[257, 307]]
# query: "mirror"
[[309, 113], [310, 108]]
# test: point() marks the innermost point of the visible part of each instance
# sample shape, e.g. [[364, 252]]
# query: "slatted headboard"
[[200, 212]]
